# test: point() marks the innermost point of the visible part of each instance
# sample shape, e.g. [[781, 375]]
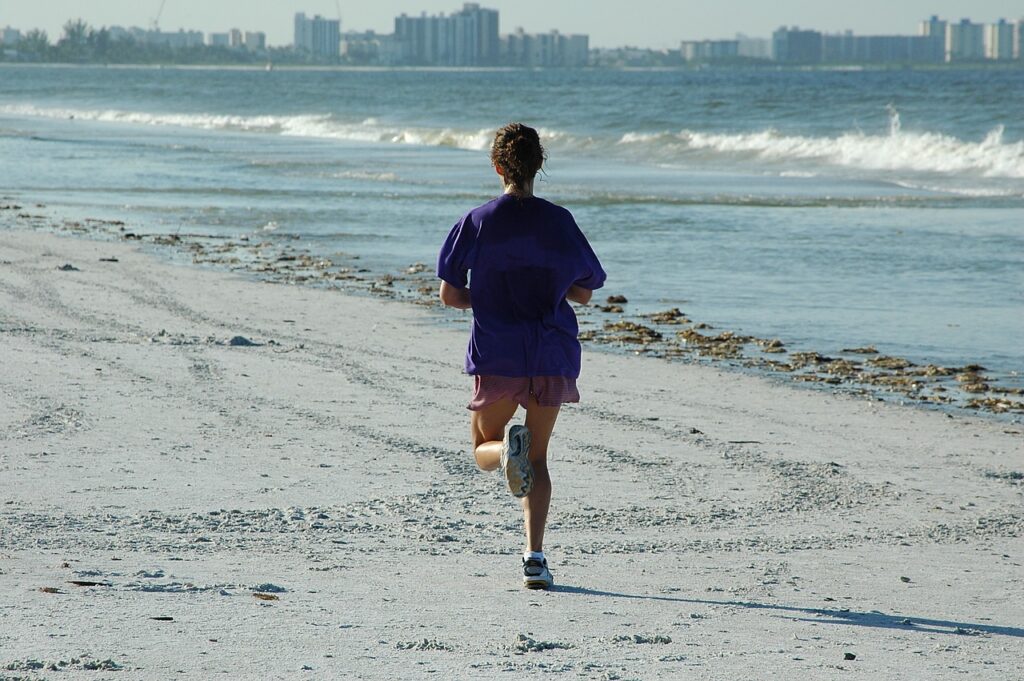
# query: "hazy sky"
[[646, 23]]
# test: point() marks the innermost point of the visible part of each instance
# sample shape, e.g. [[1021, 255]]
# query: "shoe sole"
[[518, 471], [538, 584]]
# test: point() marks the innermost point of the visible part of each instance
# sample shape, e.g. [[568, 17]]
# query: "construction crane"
[[156, 19]]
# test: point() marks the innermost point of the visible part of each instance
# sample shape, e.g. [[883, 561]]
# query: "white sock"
[[533, 555]]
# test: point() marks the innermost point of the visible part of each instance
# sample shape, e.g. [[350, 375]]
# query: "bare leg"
[[488, 431], [540, 421]]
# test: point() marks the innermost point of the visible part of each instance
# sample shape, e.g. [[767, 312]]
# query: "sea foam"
[[899, 150]]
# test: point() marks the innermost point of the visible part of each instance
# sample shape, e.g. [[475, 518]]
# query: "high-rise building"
[[235, 39], [999, 40], [318, 37], [545, 50], [179, 39], [709, 50], [468, 37], [794, 46], [934, 32], [965, 41], [1018, 39], [847, 48], [418, 37], [10, 36], [255, 41], [575, 50], [934, 28], [754, 48], [218, 39]]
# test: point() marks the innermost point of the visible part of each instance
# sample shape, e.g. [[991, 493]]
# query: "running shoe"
[[536, 574], [515, 461]]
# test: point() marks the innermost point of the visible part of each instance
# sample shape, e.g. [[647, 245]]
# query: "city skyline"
[[662, 26]]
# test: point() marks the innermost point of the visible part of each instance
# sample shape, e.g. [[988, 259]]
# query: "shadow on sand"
[[873, 618]]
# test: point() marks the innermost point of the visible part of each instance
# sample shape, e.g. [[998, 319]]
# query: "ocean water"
[[826, 208]]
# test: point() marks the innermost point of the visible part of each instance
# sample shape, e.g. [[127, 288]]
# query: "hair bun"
[[518, 153]]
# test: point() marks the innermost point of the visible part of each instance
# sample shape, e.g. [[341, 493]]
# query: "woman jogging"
[[528, 259]]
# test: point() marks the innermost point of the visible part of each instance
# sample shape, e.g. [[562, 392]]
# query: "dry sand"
[[705, 524]]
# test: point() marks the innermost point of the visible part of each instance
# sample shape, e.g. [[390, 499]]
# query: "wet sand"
[[206, 475]]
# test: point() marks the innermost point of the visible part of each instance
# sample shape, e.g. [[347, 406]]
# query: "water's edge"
[[607, 326]]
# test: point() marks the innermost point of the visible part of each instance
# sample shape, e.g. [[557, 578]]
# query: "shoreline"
[[766, 66], [669, 334], [302, 503]]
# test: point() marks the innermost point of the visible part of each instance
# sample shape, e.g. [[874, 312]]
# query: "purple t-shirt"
[[525, 254]]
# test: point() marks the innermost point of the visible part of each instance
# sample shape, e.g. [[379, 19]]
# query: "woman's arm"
[[454, 297], [578, 294]]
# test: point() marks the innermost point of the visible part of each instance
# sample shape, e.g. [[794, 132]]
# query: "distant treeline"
[[84, 44]]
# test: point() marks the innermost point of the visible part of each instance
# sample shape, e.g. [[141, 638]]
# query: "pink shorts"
[[549, 391]]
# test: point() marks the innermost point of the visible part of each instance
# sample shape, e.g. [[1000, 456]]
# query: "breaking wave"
[[897, 151], [324, 126]]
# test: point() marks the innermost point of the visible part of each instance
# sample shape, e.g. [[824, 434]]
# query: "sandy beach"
[[207, 476]]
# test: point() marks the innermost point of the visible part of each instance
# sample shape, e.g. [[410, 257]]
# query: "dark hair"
[[518, 153]]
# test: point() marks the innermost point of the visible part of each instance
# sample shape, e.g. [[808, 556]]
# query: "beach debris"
[[68, 267], [611, 309], [76, 663], [642, 639], [266, 597], [931, 370], [416, 268], [724, 345], [526, 644], [962, 631], [155, 574], [673, 316], [109, 260], [424, 644], [849, 656], [884, 362], [802, 359], [631, 332], [97, 221], [269, 588], [996, 405], [242, 342], [50, 590], [162, 618], [904, 579], [842, 367], [616, 300], [86, 582], [866, 350], [772, 346], [1008, 476]]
